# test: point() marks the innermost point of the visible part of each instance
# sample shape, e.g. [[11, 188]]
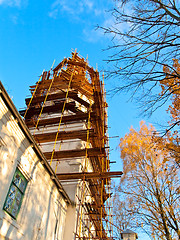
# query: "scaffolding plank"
[[89, 175], [64, 135], [65, 119], [60, 95], [62, 82], [75, 153], [56, 108]]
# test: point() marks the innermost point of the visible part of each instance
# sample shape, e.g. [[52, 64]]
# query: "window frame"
[[18, 189]]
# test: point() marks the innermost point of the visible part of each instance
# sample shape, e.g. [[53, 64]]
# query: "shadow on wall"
[[38, 215]]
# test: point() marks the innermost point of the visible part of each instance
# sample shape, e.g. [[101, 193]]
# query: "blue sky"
[[35, 33]]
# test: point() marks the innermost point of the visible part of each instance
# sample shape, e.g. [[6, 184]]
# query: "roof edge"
[[27, 133]]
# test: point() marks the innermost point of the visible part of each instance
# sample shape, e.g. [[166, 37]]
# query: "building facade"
[[33, 205], [54, 160]]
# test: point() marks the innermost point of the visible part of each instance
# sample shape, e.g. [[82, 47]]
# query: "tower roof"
[[128, 231]]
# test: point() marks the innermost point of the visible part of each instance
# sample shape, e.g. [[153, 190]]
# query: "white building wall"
[[43, 208], [71, 222]]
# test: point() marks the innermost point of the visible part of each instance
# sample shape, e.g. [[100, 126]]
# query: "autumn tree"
[[150, 184], [122, 218], [145, 40], [173, 146], [170, 86]]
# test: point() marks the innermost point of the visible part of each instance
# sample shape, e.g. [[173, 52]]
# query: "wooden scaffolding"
[[67, 106]]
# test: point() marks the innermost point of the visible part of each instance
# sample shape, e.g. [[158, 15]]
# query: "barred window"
[[15, 195]]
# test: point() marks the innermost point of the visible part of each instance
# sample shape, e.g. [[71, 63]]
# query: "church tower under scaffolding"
[[67, 116]]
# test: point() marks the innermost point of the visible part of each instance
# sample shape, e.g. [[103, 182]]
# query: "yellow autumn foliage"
[[142, 147], [151, 179]]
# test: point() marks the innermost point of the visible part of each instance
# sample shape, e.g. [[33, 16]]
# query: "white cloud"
[[14, 19], [89, 13], [53, 13], [89, 4], [98, 12], [11, 3], [77, 8], [91, 35]]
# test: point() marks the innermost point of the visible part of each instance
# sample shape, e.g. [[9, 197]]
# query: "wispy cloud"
[[14, 19], [89, 13], [71, 7], [91, 35], [78, 8], [95, 34], [11, 3]]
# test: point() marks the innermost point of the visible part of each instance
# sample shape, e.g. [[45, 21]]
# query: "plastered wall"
[[43, 211]]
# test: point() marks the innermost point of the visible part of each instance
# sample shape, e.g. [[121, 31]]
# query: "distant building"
[[129, 235]]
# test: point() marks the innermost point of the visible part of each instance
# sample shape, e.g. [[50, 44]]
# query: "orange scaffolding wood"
[[88, 175], [64, 135], [67, 115]]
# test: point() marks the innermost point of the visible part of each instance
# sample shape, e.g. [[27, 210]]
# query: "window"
[[15, 194]]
